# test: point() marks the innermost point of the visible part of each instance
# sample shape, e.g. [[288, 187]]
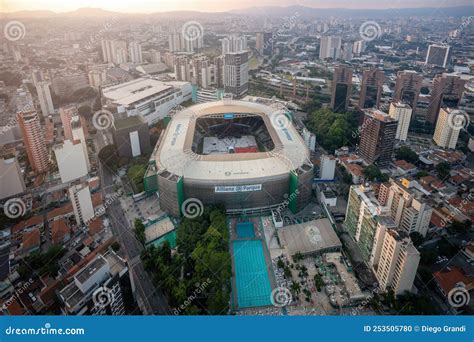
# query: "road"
[[151, 300]]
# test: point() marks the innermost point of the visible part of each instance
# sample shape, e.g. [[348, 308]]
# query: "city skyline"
[[150, 6]]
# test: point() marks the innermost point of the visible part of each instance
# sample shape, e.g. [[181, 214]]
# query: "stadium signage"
[[175, 134], [238, 188]]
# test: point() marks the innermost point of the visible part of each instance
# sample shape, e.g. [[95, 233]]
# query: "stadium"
[[245, 155]]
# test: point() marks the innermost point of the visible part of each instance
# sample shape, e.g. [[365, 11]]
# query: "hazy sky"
[[146, 6]]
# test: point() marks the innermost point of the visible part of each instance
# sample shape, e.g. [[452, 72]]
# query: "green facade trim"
[[180, 193], [293, 199]]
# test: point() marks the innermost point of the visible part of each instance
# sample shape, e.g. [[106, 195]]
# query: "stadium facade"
[[247, 156]]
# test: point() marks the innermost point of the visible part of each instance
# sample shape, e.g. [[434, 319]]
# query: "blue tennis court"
[[245, 230], [252, 281]]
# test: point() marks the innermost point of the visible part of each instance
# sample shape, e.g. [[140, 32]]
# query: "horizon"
[[213, 6]]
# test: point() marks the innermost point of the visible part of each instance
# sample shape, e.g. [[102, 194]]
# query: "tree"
[[407, 154], [295, 287], [318, 282], [460, 227], [140, 231], [85, 111], [109, 156], [372, 172], [135, 174], [443, 170], [422, 174], [416, 238]]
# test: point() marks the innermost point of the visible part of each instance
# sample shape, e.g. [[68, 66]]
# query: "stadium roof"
[[134, 91], [176, 156]]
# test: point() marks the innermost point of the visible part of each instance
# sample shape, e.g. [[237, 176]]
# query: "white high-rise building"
[[234, 44], [398, 262], [78, 135], [135, 52], [327, 167], [114, 51], [44, 96], [407, 205], [97, 78], [358, 47], [401, 112], [155, 56], [81, 200], [71, 160], [449, 124], [330, 47], [175, 42], [12, 182]]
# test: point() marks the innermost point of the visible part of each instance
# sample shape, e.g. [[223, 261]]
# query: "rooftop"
[[309, 237]]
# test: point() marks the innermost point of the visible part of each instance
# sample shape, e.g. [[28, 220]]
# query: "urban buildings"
[[131, 136], [330, 47], [402, 113], [79, 134], [97, 78], [407, 88], [12, 182], [135, 52], [148, 98], [34, 140], [66, 114], [71, 160], [341, 88], [44, 96], [234, 44], [371, 88], [81, 200], [264, 43], [327, 167], [386, 249], [97, 289], [448, 126], [377, 138], [408, 207], [396, 268], [236, 73], [447, 92], [438, 55], [114, 51]]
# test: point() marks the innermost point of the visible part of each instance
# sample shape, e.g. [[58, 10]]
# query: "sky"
[[149, 6]]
